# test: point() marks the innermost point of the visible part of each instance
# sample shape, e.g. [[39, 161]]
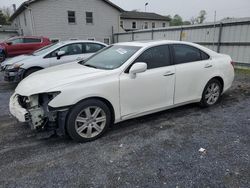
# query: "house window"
[[134, 25], [121, 23], [89, 17], [145, 25], [71, 17], [24, 17], [163, 24], [107, 41], [153, 25]]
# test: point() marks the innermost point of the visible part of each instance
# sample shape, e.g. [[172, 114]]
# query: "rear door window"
[[185, 54], [92, 47]]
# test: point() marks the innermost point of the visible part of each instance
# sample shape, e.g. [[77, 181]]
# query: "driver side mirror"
[[59, 54], [137, 68], [9, 43]]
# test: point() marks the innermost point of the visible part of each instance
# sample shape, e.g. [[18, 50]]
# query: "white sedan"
[[17, 68], [121, 82]]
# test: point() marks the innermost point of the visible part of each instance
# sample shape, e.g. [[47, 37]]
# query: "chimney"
[[14, 7]]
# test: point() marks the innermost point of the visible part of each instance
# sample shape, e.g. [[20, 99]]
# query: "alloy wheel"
[[212, 93], [90, 122]]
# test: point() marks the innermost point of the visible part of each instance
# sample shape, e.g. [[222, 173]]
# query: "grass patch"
[[239, 70]]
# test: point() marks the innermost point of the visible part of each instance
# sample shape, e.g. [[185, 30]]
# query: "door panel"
[[74, 52], [150, 90], [193, 69], [191, 79], [16, 48]]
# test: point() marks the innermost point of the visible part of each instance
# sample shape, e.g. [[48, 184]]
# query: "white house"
[[133, 20], [68, 19]]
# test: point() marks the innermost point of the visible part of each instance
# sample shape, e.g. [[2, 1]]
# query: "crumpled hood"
[[17, 59], [48, 79]]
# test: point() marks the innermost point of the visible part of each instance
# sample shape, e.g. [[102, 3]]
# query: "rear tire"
[[88, 120], [212, 93], [30, 71]]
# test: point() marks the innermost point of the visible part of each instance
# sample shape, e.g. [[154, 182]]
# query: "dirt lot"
[[159, 150]]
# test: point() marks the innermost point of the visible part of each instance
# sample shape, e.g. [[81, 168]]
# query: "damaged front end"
[[37, 113]]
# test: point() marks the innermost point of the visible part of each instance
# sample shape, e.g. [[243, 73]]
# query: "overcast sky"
[[185, 8]]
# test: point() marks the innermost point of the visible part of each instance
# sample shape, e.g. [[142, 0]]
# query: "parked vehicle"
[[21, 45], [55, 54], [121, 82]]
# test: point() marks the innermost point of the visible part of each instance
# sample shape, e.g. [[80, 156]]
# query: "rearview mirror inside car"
[[137, 68]]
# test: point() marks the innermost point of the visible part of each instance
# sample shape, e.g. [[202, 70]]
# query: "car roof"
[[27, 37], [81, 41], [147, 43], [151, 43]]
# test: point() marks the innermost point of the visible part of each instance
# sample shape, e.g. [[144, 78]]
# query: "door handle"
[[208, 66], [79, 58], [169, 73]]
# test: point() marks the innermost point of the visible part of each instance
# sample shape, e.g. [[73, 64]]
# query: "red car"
[[21, 45]]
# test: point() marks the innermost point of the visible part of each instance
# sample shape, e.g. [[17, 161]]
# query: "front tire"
[[88, 120], [212, 93]]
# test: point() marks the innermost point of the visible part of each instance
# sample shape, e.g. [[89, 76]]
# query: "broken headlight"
[[45, 98]]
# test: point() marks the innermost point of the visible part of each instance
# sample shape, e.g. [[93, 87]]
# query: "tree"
[[5, 13], [186, 23], [176, 20], [193, 20], [3, 20], [202, 16]]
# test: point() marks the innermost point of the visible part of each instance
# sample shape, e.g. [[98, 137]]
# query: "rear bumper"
[[13, 75]]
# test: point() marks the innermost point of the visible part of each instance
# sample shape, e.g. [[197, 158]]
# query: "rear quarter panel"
[[225, 69]]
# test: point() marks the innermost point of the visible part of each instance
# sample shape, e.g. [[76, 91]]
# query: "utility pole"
[[146, 4], [214, 27]]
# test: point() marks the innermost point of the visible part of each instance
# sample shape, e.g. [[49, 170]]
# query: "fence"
[[229, 37], [7, 31]]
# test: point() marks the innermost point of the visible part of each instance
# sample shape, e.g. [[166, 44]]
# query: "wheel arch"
[[26, 70], [220, 79], [107, 102]]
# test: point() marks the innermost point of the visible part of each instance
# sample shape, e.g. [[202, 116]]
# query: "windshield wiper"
[[92, 66]]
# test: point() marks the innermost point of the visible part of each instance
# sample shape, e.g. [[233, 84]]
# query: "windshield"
[[46, 49], [111, 57]]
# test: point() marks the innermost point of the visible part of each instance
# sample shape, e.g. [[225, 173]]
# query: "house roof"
[[143, 16], [25, 4]]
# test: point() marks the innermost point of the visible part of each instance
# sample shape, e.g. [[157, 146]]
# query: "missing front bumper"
[[37, 117]]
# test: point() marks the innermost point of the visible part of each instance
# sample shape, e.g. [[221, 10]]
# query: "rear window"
[[32, 40]]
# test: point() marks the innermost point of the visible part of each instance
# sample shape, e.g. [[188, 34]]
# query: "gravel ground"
[[160, 150]]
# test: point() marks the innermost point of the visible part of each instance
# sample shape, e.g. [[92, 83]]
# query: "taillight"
[[233, 64]]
